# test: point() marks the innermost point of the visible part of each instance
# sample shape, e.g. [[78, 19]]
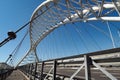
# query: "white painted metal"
[[78, 70], [111, 35], [67, 20], [87, 68], [104, 71], [41, 26], [49, 73]]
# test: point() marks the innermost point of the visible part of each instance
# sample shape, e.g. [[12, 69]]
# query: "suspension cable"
[[17, 48], [117, 28], [80, 36], [72, 39], [100, 30], [91, 37], [111, 36], [12, 35]]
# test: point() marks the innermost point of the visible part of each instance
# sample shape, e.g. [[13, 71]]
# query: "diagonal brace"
[[104, 71], [77, 71]]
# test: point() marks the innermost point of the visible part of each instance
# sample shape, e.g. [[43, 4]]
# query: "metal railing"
[[4, 73], [91, 66]]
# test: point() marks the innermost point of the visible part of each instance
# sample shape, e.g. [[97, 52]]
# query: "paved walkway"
[[17, 75]]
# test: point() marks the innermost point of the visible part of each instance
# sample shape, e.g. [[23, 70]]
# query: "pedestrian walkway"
[[17, 75]]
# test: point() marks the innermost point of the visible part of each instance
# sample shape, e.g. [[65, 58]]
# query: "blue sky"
[[13, 15], [70, 42]]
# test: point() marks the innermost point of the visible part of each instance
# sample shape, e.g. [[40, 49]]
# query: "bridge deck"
[[17, 75]]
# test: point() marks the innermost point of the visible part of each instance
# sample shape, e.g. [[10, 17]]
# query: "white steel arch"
[[51, 14], [90, 12]]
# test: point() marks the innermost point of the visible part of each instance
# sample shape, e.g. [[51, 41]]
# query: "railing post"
[[41, 73], [1, 74], [28, 69], [35, 71], [31, 72], [88, 62], [54, 70]]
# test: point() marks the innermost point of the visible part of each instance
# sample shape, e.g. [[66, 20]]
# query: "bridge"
[[70, 40]]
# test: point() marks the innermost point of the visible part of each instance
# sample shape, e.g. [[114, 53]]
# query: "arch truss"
[[51, 14]]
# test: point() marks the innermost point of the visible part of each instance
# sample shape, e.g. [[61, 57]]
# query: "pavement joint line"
[[24, 75]]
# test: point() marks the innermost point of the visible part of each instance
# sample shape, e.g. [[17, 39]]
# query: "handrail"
[[106, 58]]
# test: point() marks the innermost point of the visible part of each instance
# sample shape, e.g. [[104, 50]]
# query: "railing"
[[97, 65], [4, 73]]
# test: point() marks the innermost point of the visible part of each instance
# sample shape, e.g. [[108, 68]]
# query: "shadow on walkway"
[[16, 75]]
